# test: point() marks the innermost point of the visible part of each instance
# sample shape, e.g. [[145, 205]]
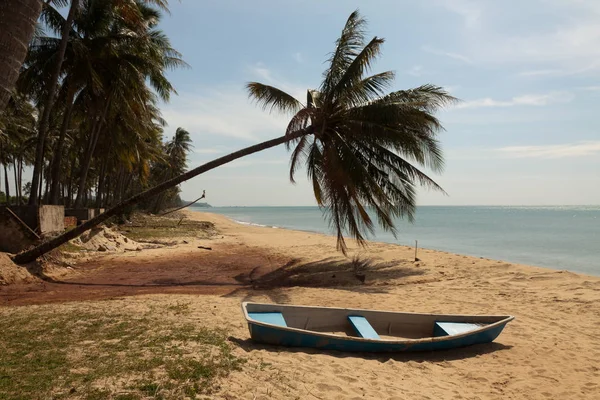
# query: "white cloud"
[[542, 72], [524, 100], [470, 11], [577, 149], [225, 111], [591, 88], [562, 72], [242, 163], [455, 56], [210, 150], [298, 57], [262, 72], [416, 70], [266, 76], [451, 88], [566, 44], [249, 163]]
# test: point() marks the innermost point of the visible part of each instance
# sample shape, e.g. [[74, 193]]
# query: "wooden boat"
[[347, 329]]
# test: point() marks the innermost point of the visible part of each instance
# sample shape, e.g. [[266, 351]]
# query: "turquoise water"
[[554, 237]]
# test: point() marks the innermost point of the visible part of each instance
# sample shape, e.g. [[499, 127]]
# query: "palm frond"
[[347, 47], [359, 66], [271, 98], [367, 90]]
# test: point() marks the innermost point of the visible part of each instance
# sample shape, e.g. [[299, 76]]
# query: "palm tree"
[[175, 163], [358, 143], [17, 129], [48, 100], [17, 24], [109, 56]]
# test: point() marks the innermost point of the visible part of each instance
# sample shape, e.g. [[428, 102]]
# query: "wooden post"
[[416, 247]]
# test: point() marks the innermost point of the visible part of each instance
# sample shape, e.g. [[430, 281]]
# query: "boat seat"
[[453, 328], [363, 327], [275, 318]]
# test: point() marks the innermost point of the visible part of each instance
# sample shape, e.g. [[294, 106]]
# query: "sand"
[[550, 351]]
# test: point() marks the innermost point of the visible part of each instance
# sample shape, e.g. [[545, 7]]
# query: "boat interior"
[[367, 324]]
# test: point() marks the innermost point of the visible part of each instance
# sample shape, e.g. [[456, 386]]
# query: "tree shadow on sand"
[[421, 356], [363, 275]]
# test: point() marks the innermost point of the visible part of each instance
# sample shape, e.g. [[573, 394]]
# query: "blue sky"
[[527, 72], [526, 132]]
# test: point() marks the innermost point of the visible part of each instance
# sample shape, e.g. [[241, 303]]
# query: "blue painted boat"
[[346, 329]]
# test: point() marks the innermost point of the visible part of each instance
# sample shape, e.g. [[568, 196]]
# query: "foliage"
[[363, 142], [17, 132], [105, 134]]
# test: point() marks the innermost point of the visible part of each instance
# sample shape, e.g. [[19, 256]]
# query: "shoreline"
[[370, 241]]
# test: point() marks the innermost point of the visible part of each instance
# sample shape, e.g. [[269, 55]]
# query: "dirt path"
[[185, 270]]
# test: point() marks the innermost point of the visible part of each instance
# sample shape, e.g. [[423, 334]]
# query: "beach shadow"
[[157, 283], [419, 356], [332, 272]]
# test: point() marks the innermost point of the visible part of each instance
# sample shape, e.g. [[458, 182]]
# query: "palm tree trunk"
[[49, 103], [16, 181], [21, 180], [31, 255], [101, 180], [47, 187], [39, 193], [87, 159], [6, 186], [17, 24], [60, 144], [69, 199]]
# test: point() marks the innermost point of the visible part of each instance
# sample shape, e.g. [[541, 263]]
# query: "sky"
[[527, 72]]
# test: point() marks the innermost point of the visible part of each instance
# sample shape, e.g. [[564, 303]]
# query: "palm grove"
[[103, 138], [358, 144]]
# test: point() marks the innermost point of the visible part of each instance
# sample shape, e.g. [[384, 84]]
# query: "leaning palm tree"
[[358, 143]]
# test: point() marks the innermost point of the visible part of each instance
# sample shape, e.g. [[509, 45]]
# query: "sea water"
[[559, 237]]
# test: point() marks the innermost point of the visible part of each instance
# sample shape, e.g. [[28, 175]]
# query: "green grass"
[[140, 234], [166, 228], [69, 247], [99, 355]]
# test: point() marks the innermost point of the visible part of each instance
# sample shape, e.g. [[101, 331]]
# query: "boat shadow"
[[364, 275], [419, 356]]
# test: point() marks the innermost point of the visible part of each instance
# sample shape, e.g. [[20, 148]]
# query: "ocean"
[[558, 237]]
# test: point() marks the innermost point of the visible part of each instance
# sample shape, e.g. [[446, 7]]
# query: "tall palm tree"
[[48, 99], [358, 143], [113, 49]]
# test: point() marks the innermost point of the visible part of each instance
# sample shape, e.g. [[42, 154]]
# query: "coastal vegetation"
[[103, 141], [85, 352]]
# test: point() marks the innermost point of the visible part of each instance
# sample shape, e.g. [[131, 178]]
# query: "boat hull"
[[279, 337]]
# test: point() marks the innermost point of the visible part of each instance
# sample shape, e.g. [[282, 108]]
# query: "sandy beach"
[[550, 351]]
